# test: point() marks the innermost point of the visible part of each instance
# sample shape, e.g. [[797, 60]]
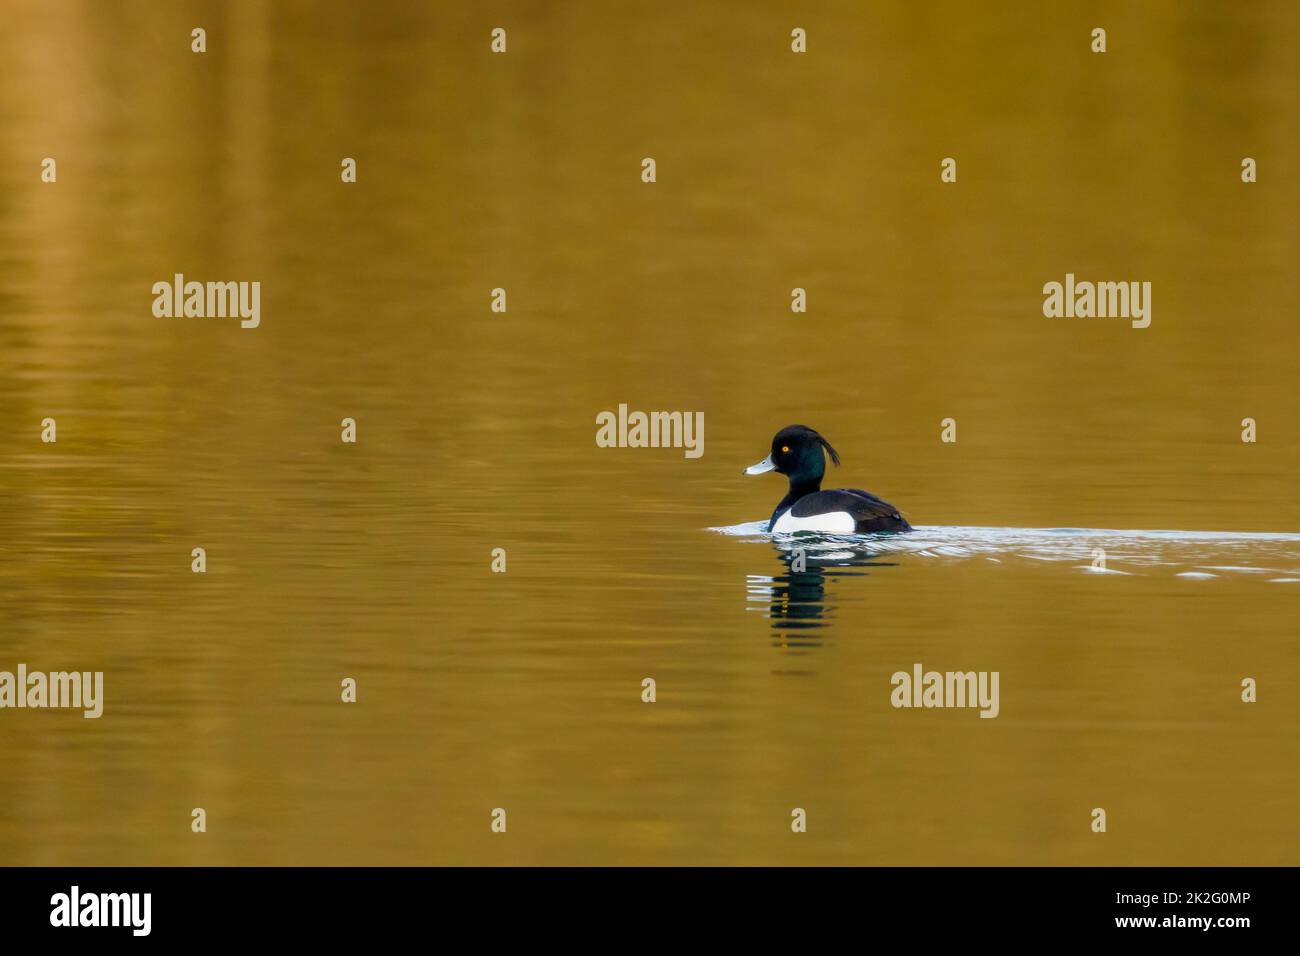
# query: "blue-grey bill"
[[763, 466]]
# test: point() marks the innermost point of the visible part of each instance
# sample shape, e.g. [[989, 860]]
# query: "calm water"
[[522, 690]]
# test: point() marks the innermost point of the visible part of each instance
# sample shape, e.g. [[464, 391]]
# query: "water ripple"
[[1198, 555]]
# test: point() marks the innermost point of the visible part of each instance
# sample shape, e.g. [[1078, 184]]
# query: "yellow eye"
[[785, 449]]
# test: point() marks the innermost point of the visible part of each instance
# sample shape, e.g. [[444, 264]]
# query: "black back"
[[870, 513]]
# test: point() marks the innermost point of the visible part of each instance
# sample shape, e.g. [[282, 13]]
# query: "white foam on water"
[[1193, 555]]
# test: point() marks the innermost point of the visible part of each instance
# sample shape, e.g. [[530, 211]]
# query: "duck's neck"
[[799, 487]]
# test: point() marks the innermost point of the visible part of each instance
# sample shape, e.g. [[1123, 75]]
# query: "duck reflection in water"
[[795, 600]]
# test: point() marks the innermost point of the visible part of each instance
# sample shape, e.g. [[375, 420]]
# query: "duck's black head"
[[797, 451]]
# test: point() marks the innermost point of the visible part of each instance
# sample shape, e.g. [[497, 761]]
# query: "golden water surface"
[[522, 690]]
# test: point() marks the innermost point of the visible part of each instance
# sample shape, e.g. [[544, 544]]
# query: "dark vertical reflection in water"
[[798, 599]]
